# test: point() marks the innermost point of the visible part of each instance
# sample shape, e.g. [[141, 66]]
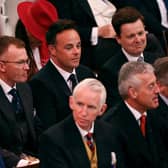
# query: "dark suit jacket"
[[61, 146], [9, 127], [139, 152], [51, 93], [108, 74]]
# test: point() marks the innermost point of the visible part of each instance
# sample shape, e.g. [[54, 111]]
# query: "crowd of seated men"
[[84, 84]]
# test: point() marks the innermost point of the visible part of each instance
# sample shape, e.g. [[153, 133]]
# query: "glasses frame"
[[21, 62]]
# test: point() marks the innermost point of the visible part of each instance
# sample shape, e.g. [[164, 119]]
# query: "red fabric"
[[143, 124]]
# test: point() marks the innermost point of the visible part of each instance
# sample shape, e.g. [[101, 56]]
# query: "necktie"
[[73, 80], [16, 102], [90, 142], [143, 124], [140, 59]]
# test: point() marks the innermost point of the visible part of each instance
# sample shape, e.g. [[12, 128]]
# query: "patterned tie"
[[16, 102], [73, 80], [143, 124], [90, 141], [140, 59]]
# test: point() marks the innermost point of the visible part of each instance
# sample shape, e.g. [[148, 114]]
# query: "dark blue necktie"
[[16, 102], [73, 79]]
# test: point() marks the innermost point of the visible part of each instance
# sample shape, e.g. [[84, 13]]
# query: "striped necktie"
[[90, 141]]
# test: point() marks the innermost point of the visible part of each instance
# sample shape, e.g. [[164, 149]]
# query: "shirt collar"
[[6, 88], [84, 132], [64, 73], [130, 57], [135, 113]]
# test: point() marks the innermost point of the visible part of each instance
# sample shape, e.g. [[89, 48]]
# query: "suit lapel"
[[77, 149], [86, 7], [103, 155], [6, 107], [54, 80], [27, 105]]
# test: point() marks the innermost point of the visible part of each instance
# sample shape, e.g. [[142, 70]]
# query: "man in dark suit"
[[65, 144], [142, 144], [131, 35], [51, 86], [18, 138]]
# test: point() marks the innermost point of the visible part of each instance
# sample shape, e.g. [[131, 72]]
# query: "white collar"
[[130, 57], [64, 73]]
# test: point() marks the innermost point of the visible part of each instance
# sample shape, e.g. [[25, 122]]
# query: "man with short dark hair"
[[54, 83]]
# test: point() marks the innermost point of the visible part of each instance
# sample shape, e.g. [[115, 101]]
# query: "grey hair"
[[128, 76], [161, 70], [93, 84]]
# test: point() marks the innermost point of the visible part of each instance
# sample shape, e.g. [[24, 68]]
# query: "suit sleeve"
[[10, 158], [51, 155]]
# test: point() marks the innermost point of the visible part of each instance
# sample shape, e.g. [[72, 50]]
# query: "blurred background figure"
[[34, 21]]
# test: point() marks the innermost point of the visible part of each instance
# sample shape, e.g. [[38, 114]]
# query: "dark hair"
[[125, 15], [6, 41], [57, 27], [20, 32]]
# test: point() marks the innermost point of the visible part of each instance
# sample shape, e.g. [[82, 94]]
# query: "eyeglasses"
[[21, 62]]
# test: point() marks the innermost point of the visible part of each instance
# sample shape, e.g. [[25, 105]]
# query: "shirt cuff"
[[22, 163], [94, 36]]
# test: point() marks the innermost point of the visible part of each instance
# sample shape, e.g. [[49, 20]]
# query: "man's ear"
[[51, 49], [2, 67], [132, 92], [103, 109], [118, 39]]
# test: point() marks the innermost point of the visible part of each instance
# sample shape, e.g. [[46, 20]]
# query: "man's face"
[[67, 50], [133, 38], [163, 89], [14, 66], [147, 92], [86, 107]]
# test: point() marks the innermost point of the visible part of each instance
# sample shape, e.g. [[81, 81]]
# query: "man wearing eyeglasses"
[[17, 138]]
